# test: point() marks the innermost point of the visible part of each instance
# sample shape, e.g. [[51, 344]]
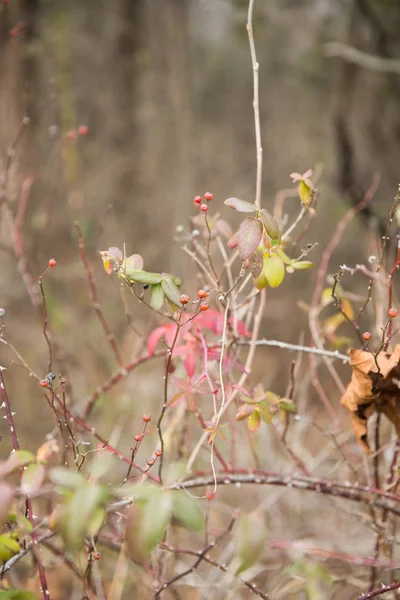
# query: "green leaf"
[[274, 270], [283, 256], [249, 236], [66, 478], [170, 289], [240, 205], [142, 277], [271, 225], [157, 513], [32, 478], [157, 297], [265, 412], [8, 547], [147, 522], [81, 509], [287, 406], [250, 540], [302, 265], [140, 492], [17, 595], [305, 193], [16, 460], [187, 511], [254, 420]]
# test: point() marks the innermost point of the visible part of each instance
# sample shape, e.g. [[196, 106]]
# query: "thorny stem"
[[356, 493], [16, 447], [380, 591]]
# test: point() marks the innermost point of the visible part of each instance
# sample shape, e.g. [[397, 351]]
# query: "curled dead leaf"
[[374, 385]]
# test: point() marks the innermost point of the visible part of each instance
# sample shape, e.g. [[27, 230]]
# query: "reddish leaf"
[[233, 241], [249, 236], [166, 331]]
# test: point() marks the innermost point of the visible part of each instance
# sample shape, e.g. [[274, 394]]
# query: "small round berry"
[[210, 495], [72, 135], [367, 336], [52, 262], [158, 452], [83, 129], [96, 555], [202, 294], [50, 376], [184, 299], [204, 306], [393, 312], [146, 418], [150, 462], [208, 196], [44, 382], [197, 200], [204, 207], [145, 286], [138, 437]]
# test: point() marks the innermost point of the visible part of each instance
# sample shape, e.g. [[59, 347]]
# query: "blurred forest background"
[[165, 88]]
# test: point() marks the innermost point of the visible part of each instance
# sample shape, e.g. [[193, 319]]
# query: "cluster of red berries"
[[198, 201], [72, 134], [185, 299]]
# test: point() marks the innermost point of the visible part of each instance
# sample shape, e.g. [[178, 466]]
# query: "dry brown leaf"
[[374, 385]]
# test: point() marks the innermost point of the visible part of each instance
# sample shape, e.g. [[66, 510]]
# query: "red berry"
[[208, 196], [83, 129], [158, 452], [52, 262], [72, 135], [204, 207], [204, 306], [393, 312], [146, 418], [367, 336], [150, 461], [44, 382], [210, 494], [96, 555], [184, 299], [197, 200], [202, 294], [138, 438]]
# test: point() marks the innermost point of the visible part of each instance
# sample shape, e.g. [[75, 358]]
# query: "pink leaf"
[[249, 236]]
